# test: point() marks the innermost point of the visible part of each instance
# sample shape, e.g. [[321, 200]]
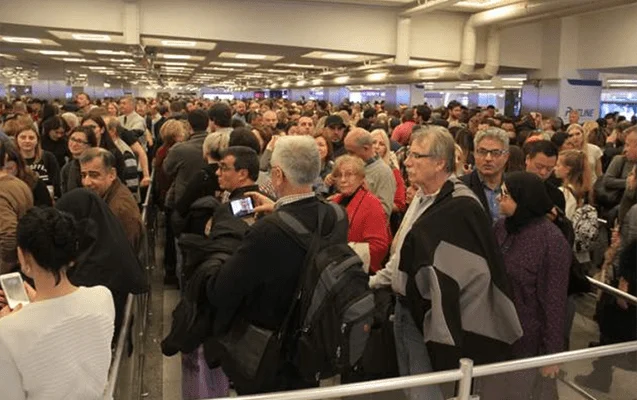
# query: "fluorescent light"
[[176, 63], [251, 56], [107, 85], [621, 81], [54, 52], [179, 43], [74, 59], [222, 69], [176, 56], [486, 87], [91, 37], [122, 60], [478, 3], [514, 79], [112, 53], [301, 83], [285, 84], [630, 85], [26, 40], [379, 76], [96, 68], [341, 79], [317, 81], [234, 64], [482, 81], [339, 56]]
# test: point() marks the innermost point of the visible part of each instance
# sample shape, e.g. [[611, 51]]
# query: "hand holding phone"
[[14, 290], [242, 207]]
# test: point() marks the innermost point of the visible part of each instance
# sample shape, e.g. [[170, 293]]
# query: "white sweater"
[[58, 348]]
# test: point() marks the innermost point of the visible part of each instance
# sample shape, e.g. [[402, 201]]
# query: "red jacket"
[[368, 224], [401, 191]]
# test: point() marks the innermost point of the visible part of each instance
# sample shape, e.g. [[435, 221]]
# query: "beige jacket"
[[15, 200]]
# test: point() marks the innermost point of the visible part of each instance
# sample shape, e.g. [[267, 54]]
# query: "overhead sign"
[[580, 95]]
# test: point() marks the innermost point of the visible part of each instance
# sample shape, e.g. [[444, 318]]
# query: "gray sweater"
[[380, 180]]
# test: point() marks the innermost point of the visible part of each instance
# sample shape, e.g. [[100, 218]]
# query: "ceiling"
[[161, 62]]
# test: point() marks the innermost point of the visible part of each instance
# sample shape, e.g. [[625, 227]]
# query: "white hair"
[[299, 159], [215, 144], [71, 119], [494, 133]]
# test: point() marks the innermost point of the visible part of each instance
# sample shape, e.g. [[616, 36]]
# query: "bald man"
[[270, 119], [380, 178]]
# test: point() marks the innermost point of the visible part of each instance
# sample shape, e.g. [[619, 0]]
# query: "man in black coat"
[[259, 281]]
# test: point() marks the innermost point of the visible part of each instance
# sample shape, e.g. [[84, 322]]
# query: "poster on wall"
[[582, 96]]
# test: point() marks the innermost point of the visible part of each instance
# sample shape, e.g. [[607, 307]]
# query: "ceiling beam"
[[428, 6]]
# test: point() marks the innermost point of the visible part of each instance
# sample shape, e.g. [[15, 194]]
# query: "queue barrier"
[[127, 366]]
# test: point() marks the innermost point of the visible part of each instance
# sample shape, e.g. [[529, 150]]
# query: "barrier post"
[[464, 386]]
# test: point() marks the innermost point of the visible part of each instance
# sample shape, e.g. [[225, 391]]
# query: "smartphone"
[[13, 288], [242, 207]]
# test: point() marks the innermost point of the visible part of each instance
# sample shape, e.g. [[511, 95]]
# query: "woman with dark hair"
[[59, 345], [15, 165], [105, 141], [80, 139], [54, 138], [105, 256], [40, 161], [537, 259], [516, 160]]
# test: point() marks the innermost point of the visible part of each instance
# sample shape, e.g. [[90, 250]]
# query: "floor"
[[165, 372]]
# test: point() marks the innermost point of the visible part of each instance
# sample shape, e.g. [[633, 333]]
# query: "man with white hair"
[[258, 282], [379, 177]]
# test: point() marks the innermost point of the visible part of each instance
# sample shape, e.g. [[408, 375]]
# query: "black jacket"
[[203, 257], [455, 281], [472, 181], [259, 280]]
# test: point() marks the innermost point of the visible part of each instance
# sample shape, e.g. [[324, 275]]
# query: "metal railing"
[[125, 374], [464, 375], [613, 290]]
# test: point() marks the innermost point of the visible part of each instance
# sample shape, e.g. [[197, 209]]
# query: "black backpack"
[[335, 308]]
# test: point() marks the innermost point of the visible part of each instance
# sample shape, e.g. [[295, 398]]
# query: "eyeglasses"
[[78, 141], [495, 153], [417, 156]]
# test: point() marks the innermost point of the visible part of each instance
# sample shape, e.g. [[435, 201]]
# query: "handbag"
[[251, 356]]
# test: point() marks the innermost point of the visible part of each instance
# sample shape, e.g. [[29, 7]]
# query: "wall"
[[608, 40]]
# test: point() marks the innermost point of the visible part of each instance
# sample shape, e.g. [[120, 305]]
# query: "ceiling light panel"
[[347, 57], [29, 41], [248, 56], [234, 64], [300, 66], [88, 36], [177, 43]]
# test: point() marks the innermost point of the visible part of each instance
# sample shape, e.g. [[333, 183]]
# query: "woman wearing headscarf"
[[105, 256], [537, 259]]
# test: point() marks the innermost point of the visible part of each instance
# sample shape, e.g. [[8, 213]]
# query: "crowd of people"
[[479, 227]]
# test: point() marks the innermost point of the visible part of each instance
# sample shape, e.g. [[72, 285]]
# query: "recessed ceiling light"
[[179, 43], [339, 56], [91, 37], [26, 40], [70, 59], [317, 81], [251, 56], [176, 56], [176, 63], [341, 79], [54, 52], [379, 76], [234, 64], [112, 53]]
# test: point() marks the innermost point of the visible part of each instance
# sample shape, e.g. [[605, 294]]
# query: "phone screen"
[[242, 207], [13, 288]]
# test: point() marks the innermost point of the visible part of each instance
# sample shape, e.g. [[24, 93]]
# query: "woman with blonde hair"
[[578, 141], [381, 145], [574, 170]]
